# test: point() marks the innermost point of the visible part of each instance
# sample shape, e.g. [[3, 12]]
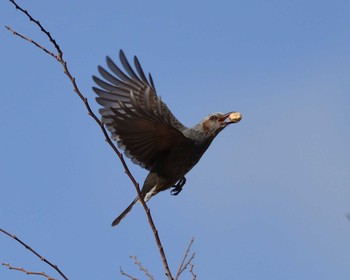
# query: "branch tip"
[[59, 58]]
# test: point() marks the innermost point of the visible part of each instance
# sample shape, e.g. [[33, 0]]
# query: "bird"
[[146, 130]]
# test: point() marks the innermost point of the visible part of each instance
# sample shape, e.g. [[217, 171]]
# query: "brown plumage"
[[146, 130]]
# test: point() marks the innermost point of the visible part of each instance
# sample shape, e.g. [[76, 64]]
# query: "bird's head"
[[216, 122]]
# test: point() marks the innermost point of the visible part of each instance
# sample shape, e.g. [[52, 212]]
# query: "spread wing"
[[138, 120]]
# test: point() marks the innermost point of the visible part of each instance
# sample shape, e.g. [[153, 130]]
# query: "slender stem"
[[55, 267], [59, 58]]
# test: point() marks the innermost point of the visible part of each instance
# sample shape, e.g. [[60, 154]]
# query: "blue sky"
[[267, 201]]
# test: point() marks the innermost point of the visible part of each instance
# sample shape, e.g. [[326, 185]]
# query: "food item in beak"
[[235, 117]]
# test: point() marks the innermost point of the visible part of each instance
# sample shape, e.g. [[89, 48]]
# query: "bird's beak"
[[233, 117]]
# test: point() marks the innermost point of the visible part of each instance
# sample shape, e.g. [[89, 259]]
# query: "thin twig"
[[142, 268], [52, 40], [59, 58], [21, 269], [189, 263], [31, 41], [192, 272], [127, 275], [55, 267], [183, 266]]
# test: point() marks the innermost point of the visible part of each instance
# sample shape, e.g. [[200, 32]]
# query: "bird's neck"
[[199, 136]]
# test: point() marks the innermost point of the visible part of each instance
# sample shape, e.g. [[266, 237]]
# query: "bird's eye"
[[212, 118]]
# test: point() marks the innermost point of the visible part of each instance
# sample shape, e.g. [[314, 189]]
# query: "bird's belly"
[[175, 167]]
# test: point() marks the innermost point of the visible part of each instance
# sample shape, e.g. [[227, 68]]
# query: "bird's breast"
[[180, 160]]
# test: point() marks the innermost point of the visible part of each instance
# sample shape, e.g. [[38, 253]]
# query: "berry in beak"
[[233, 117]]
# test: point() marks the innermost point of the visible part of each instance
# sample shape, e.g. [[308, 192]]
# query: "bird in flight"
[[147, 131]]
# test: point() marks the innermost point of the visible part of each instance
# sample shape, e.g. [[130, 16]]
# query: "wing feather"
[[128, 68], [140, 70], [135, 115], [151, 80]]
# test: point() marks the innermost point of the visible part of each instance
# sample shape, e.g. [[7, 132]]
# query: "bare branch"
[[142, 268], [52, 40], [55, 267], [184, 266], [28, 272], [127, 275], [59, 58], [31, 41], [192, 272]]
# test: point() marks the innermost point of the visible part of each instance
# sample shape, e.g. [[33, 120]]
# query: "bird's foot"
[[178, 187]]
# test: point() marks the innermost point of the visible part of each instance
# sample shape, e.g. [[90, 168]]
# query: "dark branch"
[[59, 58], [52, 40], [55, 267]]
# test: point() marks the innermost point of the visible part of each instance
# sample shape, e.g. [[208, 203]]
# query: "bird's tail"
[[126, 211]]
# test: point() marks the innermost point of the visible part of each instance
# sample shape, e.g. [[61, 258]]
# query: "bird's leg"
[[178, 187]]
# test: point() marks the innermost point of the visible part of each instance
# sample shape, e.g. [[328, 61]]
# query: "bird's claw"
[[178, 187], [176, 190]]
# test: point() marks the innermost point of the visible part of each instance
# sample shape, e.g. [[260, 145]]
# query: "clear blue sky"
[[269, 198]]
